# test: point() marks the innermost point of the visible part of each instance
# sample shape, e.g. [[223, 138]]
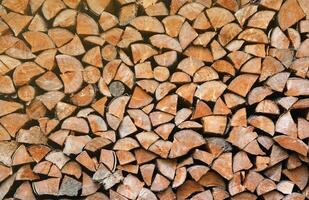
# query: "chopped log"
[[161, 148], [159, 183], [240, 118], [228, 33], [285, 187], [13, 122], [159, 117], [49, 81], [199, 53], [107, 20], [85, 160], [265, 186], [84, 97], [217, 50], [37, 24], [140, 119], [128, 13], [112, 36], [93, 57], [32, 136], [126, 144], [263, 123], [143, 70], [221, 108], [73, 48], [252, 180], [191, 10], [293, 144], [241, 162], [204, 38], [51, 8], [188, 188], [173, 25], [24, 191], [47, 187], [9, 107], [65, 18], [166, 59], [242, 84], [186, 35], [85, 25], [38, 41], [161, 73], [298, 176], [256, 49], [278, 39], [25, 72], [297, 87], [164, 41], [142, 52], [287, 8], [217, 21], [6, 186], [253, 35], [76, 124], [69, 186], [214, 90], [89, 186], [165, 130], [267, 106], [127, 127], [157, 9], [302, 126], [20, 51], [146, 23], [139, 98], [235, 186], [109, 52], [223, 165], [180, 77], [261, 19], [7, 86], [294, 36], [241, 137], [180, 177], [98, 6], [46, 59], [131, 187], [214, 124], [60, 36], [278, 81], [258, 94], [286, 125], [181, 145], [75, 144], [16, 22], [218, 193], [212, 179], [190, 65]]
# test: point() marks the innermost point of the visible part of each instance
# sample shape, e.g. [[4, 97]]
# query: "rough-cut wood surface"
[[154, 99]]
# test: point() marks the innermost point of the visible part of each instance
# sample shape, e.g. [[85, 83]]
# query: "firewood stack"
[[154, 99]]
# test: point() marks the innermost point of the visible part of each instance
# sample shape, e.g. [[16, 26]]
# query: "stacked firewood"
[[154, 99]]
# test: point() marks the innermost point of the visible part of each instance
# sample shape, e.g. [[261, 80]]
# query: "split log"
[[290, 6], [152, 24]]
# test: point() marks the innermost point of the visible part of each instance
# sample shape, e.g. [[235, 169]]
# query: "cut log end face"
[[116, 88], [154, 99]]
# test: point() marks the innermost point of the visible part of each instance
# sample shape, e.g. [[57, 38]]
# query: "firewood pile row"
[[154, 99]]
